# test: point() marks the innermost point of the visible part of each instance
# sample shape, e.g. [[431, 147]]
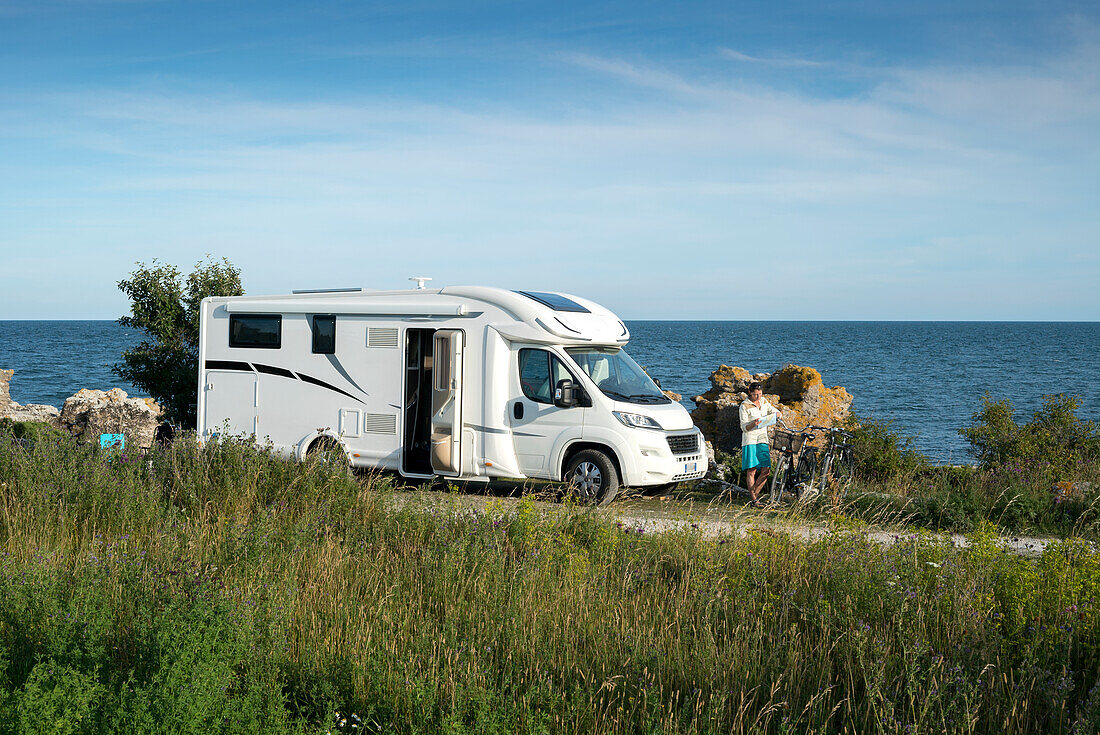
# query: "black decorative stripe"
[[323, 384], [559, 321], [228, 365], [272, 370]]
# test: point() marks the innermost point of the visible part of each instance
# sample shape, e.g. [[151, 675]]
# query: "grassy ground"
[[223, 590]]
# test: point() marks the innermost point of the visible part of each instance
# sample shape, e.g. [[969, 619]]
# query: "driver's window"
[[534, 375], [539, 373]]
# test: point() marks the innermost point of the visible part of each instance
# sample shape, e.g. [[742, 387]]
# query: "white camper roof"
[[536, 316]]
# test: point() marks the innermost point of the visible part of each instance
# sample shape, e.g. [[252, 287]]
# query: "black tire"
[[591, 477], [779, 478], [327, 451], [843, 471], [836, 475], [807, 468]]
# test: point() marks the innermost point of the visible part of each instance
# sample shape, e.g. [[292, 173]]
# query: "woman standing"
[[756, 461]]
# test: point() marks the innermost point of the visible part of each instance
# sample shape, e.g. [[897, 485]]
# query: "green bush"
[[881, 453], [1053, 445], [31, 431]]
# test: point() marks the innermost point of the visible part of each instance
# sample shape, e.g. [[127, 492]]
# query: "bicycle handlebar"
[[808, 429]]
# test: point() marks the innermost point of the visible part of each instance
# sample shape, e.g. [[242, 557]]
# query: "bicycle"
[[837, 463], [795, 468]]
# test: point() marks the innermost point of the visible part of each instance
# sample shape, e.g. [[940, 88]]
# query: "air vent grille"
[[381, 423], [683, 444], [385, 337]]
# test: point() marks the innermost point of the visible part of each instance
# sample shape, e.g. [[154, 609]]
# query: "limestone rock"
[[795, 390], [672, 395], [9, 409], [89, 413]]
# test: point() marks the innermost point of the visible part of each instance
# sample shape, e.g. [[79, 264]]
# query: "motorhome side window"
[[255, 331], [324, 335], [539, 372]]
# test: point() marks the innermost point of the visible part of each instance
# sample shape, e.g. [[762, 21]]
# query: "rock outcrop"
[[89, 413], [796, 391], [9, 409]]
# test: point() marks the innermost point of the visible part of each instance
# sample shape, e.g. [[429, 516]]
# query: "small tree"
[[166, 307]]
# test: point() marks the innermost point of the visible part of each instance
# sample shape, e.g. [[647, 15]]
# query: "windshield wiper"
[[649, 397], [614, 394]]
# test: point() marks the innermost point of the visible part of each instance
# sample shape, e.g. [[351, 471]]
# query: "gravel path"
[[712, 519]]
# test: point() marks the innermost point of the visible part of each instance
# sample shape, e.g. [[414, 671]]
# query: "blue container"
[[112, 441]]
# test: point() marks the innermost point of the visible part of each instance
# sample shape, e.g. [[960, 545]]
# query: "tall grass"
[[223, 590]]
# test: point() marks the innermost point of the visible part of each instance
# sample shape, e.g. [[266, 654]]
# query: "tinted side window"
[[255, 331], [534, 375], [324, 335]]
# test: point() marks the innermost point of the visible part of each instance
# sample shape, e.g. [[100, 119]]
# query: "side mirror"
[[657, 381], [565, 394]]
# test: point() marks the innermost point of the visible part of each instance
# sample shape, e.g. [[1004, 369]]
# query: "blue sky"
[[933, 160]]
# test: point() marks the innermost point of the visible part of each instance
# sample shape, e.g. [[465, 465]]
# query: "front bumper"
[[662, 457]]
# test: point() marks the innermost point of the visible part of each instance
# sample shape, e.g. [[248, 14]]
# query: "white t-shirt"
[[749, 413]]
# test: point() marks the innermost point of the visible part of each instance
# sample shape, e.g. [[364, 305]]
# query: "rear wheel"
[[779, 478], [844, 471], [807, 467], [591, 477], [836, 475], [328, 452]]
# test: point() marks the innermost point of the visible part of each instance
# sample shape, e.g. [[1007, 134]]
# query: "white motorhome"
[[473, 383]]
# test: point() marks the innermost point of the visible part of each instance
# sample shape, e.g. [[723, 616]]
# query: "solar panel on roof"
[[555, 301]]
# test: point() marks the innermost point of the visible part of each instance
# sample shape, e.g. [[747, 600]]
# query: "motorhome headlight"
[[637, 420]]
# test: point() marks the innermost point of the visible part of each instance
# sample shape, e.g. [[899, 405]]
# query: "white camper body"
[[463, 382]]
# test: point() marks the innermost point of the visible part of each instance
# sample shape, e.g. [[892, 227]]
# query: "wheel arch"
[[579, 446], [307, 444]]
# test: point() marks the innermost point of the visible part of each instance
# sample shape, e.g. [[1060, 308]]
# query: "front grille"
[[683, 444]]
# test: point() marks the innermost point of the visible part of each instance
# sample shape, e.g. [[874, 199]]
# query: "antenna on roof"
[[420, 281]]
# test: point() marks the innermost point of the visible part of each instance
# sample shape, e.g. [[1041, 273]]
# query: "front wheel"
[[779, 479], [591, 477]]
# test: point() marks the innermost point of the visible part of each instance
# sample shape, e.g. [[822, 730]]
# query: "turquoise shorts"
[[755, 455]]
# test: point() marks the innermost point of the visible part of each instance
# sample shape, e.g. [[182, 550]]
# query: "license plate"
[[690, 466]]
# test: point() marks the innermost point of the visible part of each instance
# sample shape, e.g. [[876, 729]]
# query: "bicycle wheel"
[[779, 478], [807, 467], [836, 475], [843, 469]]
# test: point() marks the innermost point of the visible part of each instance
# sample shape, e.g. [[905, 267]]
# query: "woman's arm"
[[747, 423]]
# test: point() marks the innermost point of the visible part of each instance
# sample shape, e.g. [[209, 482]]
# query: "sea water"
[[926, 377]]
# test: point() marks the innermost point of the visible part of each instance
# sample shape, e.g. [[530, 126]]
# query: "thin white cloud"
[[919, 171], [780, 61]]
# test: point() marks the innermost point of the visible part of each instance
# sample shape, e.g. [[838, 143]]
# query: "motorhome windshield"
[[617, 375]]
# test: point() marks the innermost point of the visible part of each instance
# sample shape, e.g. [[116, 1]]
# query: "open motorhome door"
[[447, 402]]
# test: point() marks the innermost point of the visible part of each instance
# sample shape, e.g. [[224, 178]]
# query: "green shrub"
[[59, 700], [31, 431], [881, 453], [1053, 445]]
